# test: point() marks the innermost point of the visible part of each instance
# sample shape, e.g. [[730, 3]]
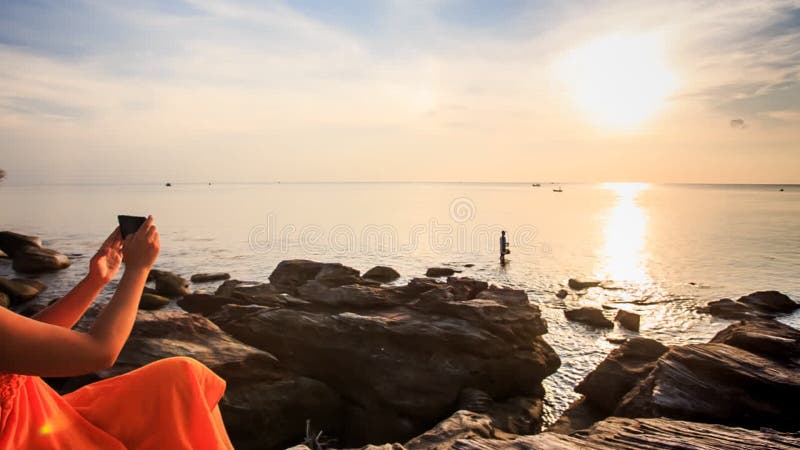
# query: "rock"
[[461, 425], [271, 414], [20, 289], [504, 296], [562, 294], [771, 302], [764, 304], [580, 415], [579, 285], [152, 301], [415, 361], [768, 338], [208, 277], [265, 406], [291, 274], [729, 309], [518, 415], [468, 265], [718, 383], [439, 272], [5, 301], [607, 384], [628, 319], [169, 284], [465, 288], [382, 273], [590, 316], [32, 259], [622, 369], [474, 400], [207, 304], [11, 242], [348, 297], [643, 434]]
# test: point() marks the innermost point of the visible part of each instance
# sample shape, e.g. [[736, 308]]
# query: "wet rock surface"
[[761, 304], [590, 316]]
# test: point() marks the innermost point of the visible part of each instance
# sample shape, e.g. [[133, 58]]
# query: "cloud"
[[283, 86]]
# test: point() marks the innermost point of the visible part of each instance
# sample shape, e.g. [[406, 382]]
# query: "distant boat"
[[558, 189], [536, 185]]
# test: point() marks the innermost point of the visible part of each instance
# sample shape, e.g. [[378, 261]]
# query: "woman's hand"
[[140, 249], [105, 263]]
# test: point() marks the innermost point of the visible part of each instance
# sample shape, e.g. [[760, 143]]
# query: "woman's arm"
[[103, 267], [31, 347]]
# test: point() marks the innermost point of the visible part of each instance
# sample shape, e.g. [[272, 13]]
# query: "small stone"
[[383, 274], [171, 285], [628, 319], [580, 285], [562, 294], [439, 272], [208, 277], [152, 301], [590, 316]]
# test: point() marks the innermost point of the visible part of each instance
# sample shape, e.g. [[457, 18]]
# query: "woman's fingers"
[[145, 226], [114, 239]]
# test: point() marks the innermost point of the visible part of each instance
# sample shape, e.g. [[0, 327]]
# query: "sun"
[[618, 81]]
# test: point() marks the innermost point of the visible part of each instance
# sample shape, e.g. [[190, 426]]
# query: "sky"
[[441, 90]]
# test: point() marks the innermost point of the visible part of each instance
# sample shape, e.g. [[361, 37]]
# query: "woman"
[[168, 404]]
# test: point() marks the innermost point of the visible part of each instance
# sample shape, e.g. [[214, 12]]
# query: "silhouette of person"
[[503, 247]]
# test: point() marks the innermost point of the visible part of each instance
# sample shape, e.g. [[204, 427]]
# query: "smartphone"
[[129, 224]]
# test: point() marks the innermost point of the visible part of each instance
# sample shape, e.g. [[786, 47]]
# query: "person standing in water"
[[503, 247]]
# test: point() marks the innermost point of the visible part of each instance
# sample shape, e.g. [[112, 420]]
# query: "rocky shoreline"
[[324, 357]]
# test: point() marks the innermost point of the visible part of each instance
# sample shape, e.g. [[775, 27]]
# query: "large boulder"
[[412, 360], [622, 369], [764, 337], [728, 309], [718, 383], [264, 406], [643, 434], [590, 316], [383, 274], [771, 302], [761, 304], [293, 273], [32, 259], [606, 385], [11, 242]]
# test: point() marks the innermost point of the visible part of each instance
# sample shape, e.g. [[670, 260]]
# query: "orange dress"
[[168, 404]]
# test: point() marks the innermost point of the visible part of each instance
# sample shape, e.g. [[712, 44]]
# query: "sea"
[[661, 250]]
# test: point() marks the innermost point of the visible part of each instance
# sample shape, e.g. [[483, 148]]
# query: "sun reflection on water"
[[622, 258]]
